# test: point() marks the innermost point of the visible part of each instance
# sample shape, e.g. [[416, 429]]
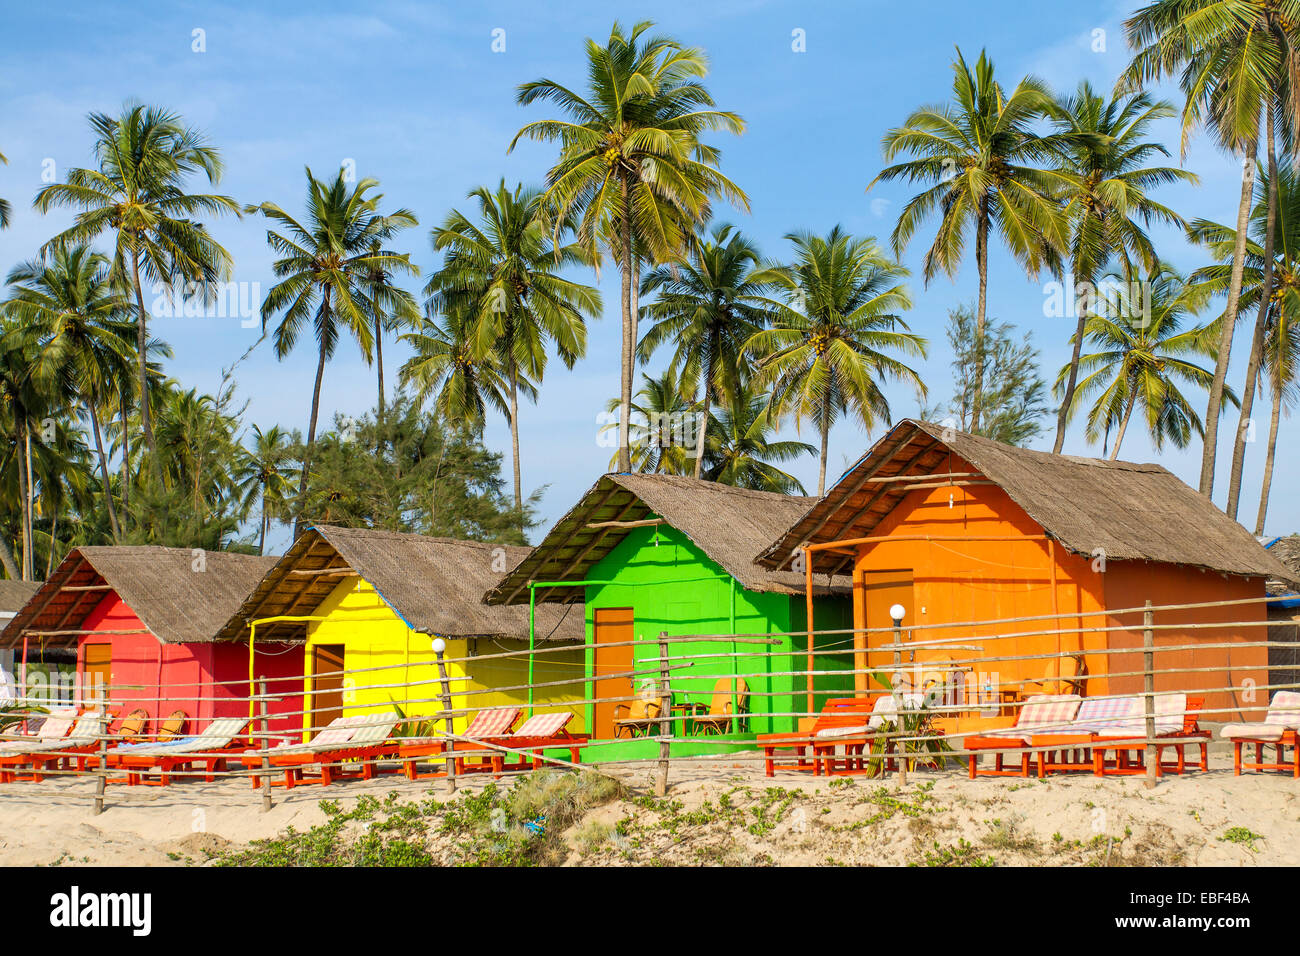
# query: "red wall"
[[162, 678]]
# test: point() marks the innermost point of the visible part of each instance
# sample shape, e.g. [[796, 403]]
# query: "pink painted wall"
[[196, 678]]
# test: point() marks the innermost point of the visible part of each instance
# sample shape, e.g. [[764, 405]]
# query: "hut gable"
[[730, 525], [181, 595], [1132, 512], [435, 585]]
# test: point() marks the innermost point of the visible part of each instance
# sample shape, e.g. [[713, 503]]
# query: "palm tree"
[[1104, 185], [325, 268], [741, 448], [632, 172], [137, 195], [979, 153], [84, 327], [828, 350], [22, 404], [1230, 56], [1282, 366], [263, 478], [1143, 360], [4, 203], [1270, 277], [661, 434], [504, 269], [448, 368], [709, 307], [388, 309]]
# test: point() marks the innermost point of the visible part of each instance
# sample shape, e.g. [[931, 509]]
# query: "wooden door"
[[612, 624], [880, 590], [96, 673], [326, 684]]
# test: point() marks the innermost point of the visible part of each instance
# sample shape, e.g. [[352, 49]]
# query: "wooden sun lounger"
[[536, 734], [1043, 714], [1176, 727], [52, 753], [1278, 730], [210, 749], [836, 712]]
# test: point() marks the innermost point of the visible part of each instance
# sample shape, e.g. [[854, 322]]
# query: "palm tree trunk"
[[311, 435], [261, 537], [379, 361], [1068, 398], [1267, 487], [54, 528], [826, 433], [629, 342], [1123, 426], [982, 265], [7, 559], [1211, 447], [699, 439], [30, 506], [126, 458], [24, 555], [103, 471], [142, 363], [514, 439], [1257, 340]]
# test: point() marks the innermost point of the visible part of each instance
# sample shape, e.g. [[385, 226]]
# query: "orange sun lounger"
[[347, 747], [1041, 714], [525, 745], [1278, 730], [836, 712], [1175, 726], [210, 750]]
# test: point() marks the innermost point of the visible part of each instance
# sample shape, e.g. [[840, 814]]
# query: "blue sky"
[[415, 95]]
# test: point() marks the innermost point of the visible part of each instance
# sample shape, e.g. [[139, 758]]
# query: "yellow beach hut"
[[366, 607]]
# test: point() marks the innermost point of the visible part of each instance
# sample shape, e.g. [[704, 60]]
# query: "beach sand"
[[726, 811]]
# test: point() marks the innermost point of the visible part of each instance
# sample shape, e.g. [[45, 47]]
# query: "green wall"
[[672, 586]]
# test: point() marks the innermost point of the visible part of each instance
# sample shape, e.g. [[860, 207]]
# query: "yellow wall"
[[373, 636]]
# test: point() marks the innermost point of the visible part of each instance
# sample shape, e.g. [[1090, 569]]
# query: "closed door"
[[613, 625], [327, 684], [96, 673], [881, 590]]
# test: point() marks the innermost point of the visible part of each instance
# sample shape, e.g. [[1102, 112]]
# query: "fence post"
[[102, 777], [264, 725], [1149, 688], [665, 716], [439, 647]]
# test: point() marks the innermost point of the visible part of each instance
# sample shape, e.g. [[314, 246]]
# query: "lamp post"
[[897, 612]]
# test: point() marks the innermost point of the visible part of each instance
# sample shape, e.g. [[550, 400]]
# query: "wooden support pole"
[[439, 648], [1149, 682], [264, 725], [665, 717], [102, 778]]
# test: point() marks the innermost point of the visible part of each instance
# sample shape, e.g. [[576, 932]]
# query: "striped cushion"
[[852, 731], [1048, 712], [372, 730], [1169, 710], [1098, 715], [1252, 732], [492, 723], [338, 731], [544, 725], [1284, 710]]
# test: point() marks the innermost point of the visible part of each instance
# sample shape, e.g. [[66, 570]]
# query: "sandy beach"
[[726, 813]]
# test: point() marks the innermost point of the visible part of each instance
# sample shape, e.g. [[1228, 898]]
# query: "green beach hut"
[[647, 554]]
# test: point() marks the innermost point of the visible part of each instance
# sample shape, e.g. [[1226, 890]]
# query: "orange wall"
[[996, 580], [1130, 584]]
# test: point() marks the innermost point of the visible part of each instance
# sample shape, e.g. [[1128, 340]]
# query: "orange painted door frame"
[[611, 625]]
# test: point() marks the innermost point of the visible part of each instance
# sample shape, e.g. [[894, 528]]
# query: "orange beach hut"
[[959, 529]]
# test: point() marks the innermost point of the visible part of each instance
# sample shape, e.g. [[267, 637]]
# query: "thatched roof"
[[176, 601], [435, 585], [1133, 512], [14, 594], [1286, 550], [728, 524]]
